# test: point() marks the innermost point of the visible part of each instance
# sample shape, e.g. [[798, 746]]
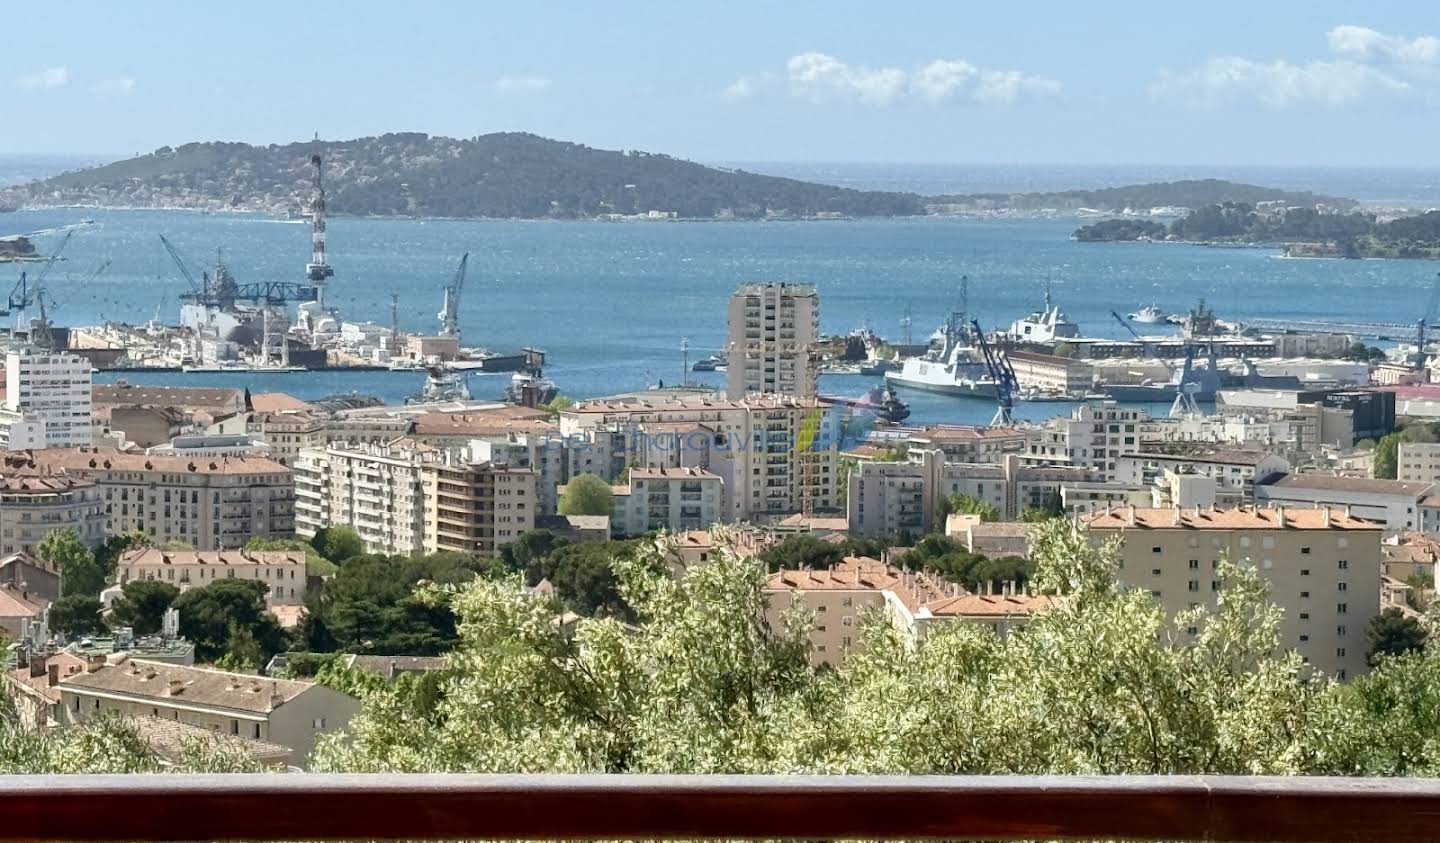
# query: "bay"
[[610, 302]]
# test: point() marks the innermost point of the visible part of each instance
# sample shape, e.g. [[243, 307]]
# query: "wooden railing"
[[417, 807]]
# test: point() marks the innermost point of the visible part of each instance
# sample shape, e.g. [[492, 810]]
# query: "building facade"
[[1394, 503], [34, 504], [674, 499], [1322, 566], [476, 507], [210, 504], [1418, 462], [54, 388], [282, 571], [1093, 437], [770, 340], [375, 489]]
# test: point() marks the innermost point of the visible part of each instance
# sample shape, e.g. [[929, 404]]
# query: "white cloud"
[[521, 84], [1366, 45], [821, 77], [50, 77], [1365, 65], [120, 85]]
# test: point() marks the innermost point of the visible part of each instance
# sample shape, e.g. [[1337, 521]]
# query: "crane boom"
[[450, 310], [180, 263]]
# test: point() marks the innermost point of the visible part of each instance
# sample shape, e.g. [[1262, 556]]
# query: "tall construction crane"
[[1003, 374], [318, 271], [450, 310], [29, 293]]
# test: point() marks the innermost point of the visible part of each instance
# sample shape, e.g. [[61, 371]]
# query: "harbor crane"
[[1003, 374], [1432, 313], [27, 294], [450, 310], [223, 291], [1185, 385], [318, 270]]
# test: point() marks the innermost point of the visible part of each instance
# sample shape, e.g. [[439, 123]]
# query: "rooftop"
[[1331, 483], [156, 556], [86, 459], [1227, 456], [993, 605], [194, 685], [168, 738], [15, 603], [1240, 518], [643, 404], [667, 472], [944, 434], [124, 392], [276, 402], [496, 422]]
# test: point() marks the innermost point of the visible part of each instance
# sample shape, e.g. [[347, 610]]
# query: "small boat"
[[1147, 315]]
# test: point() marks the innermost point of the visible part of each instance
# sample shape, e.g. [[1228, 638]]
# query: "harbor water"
[[610, 302]]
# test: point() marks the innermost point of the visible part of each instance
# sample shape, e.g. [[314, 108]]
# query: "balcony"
[[637, 807]]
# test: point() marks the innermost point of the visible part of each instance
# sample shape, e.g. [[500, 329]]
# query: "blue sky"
[[956, 82]]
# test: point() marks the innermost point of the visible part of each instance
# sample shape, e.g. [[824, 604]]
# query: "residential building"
[[962, 444], [35, 503], [34, 687], [989, 538], [209, 403], [210, 504], [1083, 497], [1322, 566], [769, 467], [282, 571], [54, 388], [1093, 437], [887, 498], [839, 597], [146, 427], [1393, 503], [213, 445], [576, 529], [287, 432], [1406, 555], [1236, 471], [17, 608], [770, 340], [1418, 462], [20, 431], [287, 712], [475, 507], [674, 499], [376, 489]]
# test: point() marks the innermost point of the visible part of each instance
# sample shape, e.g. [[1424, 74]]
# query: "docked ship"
[[529, 387], [1045, 325], [713, 363], [953, 367]]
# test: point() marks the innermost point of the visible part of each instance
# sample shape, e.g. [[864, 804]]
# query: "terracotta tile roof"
[[193, 685], [14, 604], [41, 484], [131, 394], [274, 402], [1243, 518], [1000, 529], [966, 605], [944, 434], [1330, 483], [816, 522], [641, 404], [69, 664], [482, 423], [291, 418], [83, 460], [1226, 456]]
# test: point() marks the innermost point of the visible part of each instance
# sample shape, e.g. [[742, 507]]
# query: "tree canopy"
[[142, 605], [80, 573], [337, 543], [76, 616], [211, 614], [587, 494], [1392, 633]]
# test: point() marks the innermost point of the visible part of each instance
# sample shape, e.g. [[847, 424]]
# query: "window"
[[1342, 586], [319, 722], [1194, 564], [1304, 572], [234, 727], [1194, 585], [1305, 594], [1155, 572], [1340, 653], [1343, 564], [1155, 549], [1340, 630], [1303, 639], [1304, 616], [1341, 608]]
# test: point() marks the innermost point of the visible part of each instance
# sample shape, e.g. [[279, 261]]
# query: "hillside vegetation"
[[498, 175], [1304, 231], [1190, 193]]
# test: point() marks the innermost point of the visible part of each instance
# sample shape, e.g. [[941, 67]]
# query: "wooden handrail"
[[417, 807]]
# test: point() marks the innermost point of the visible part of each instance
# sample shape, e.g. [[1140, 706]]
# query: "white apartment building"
[[376, 489], [283, 571], [1323, 567], [776, 454], [1418, 462], [1094, 437], [55, 389], [21, 431], [674, 499], [770, 338], [964, 443], [209, 503]]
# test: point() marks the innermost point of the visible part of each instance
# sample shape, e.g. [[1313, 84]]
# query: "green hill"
[[497, 175], [1191, 193]]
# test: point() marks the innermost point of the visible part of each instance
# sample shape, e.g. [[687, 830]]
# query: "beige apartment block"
[[770, 340], [1322, 566], [476, 507], [208, 503], [282, 571]]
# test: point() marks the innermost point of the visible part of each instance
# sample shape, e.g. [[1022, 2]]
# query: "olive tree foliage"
[[1101, 683], [106, 745]]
